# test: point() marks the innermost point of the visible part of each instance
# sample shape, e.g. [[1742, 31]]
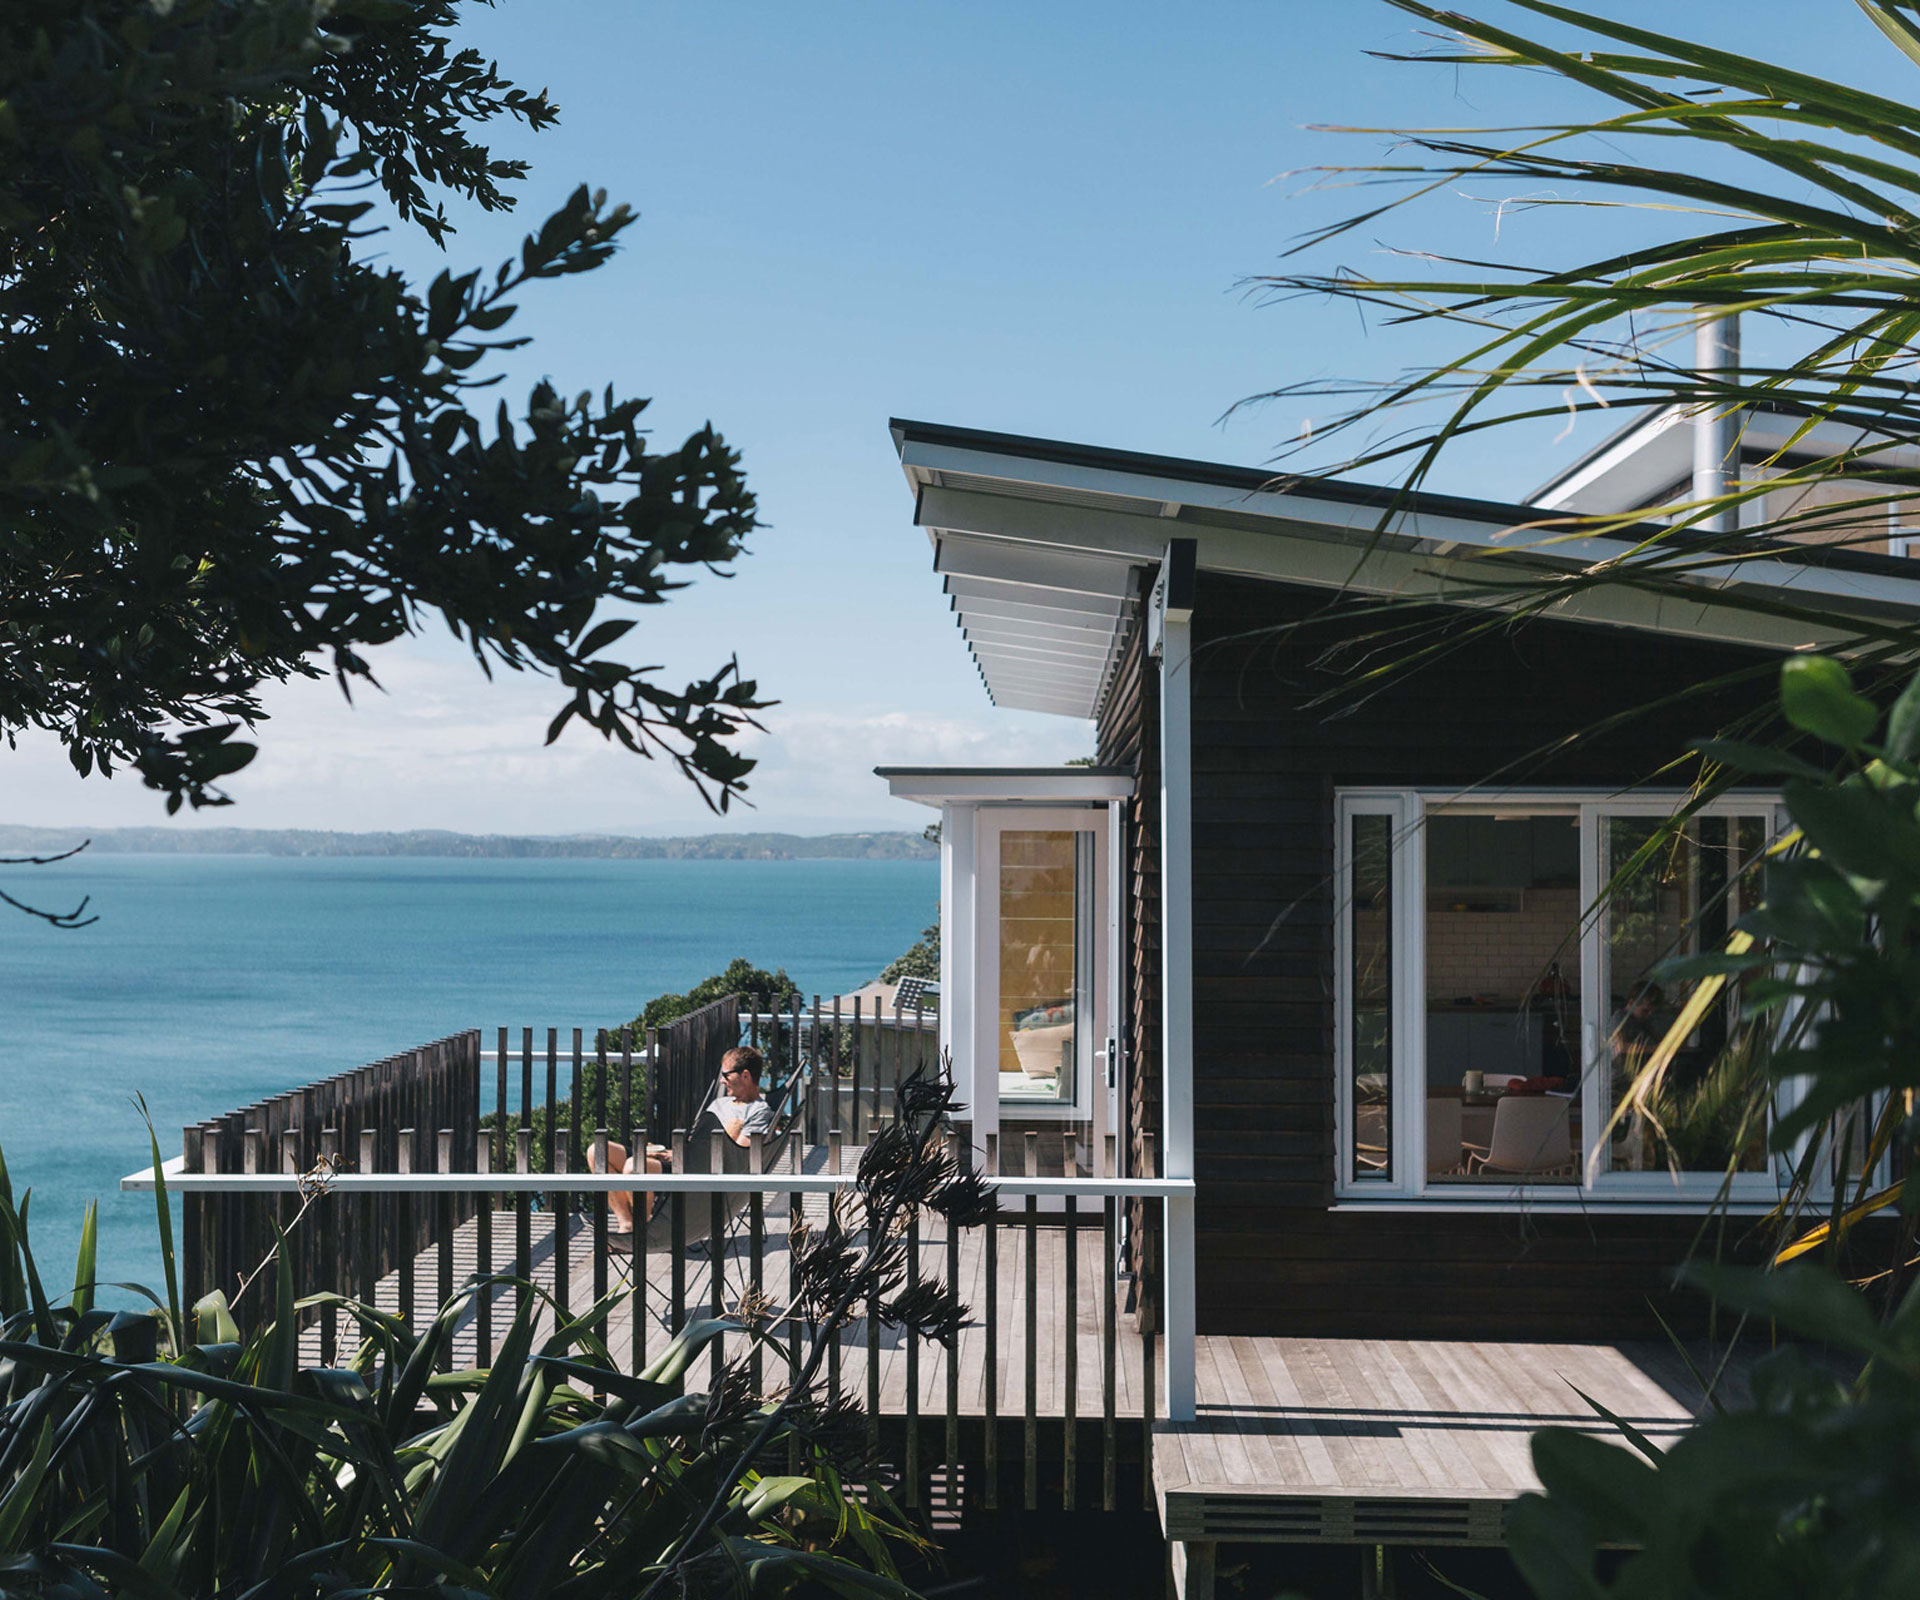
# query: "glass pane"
[[1502, 1002], [1370, 1044], [1697, 1102], [1039, 1024]]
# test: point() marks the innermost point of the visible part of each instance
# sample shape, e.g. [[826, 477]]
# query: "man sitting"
[[739, 1110]]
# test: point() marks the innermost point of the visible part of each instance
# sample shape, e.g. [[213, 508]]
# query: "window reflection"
[[1370, 1046], [1039, 1016], [1503, 1002], [1701, 1106]]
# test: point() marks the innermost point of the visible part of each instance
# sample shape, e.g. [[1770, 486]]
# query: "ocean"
[[210, 981]]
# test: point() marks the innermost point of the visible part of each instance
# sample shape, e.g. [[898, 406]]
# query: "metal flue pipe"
[[1716, 424]]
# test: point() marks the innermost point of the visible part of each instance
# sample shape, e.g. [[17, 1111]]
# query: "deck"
[[1377, 1441]]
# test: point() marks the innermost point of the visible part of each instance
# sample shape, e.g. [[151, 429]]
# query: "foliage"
[[1791, 200], [139, 1457], [1808, 1490], [235, 448], [770, 990], [1805, 193], [921, 959]]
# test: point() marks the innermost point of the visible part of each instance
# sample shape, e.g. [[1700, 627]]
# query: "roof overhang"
[[1042, 547], [942, 786], [1648, 460]]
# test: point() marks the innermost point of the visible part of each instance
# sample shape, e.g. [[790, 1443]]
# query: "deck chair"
[[1531, 1137]]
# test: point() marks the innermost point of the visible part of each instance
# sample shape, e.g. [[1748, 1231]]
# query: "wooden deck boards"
[[1381, 1440]]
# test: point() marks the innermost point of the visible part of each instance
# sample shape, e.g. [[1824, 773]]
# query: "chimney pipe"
[[1716, 425]]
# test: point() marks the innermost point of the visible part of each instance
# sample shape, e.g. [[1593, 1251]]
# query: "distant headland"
[[902, 846]]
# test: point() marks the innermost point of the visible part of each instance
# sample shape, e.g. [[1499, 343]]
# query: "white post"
[[1172, 608], [962, 966]]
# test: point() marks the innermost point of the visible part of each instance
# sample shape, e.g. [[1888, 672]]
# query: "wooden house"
[[1312, 931]]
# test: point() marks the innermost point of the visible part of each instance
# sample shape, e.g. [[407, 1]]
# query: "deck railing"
[[398, 1183], [1050, 1347]]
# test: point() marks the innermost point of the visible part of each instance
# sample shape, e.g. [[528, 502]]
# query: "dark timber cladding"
[[1273, 1257], [1129, 737]]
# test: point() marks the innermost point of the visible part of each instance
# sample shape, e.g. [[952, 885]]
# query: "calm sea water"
[[210, 981]]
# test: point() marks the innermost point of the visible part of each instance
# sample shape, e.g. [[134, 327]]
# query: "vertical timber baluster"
[[677, 1265], [483, 1163], [990, 1490], [1143, 1279], [833, 1202], [757, 1248], [502, 1061], [332, 1218], [523, 1219], [444, 1206], [409, 1246], [913, 1366], [642, 1215], [599, 1164], [1070, 1366], [1109, 1348], [716, 1251], [367, 1215], [1032, 1433], [957, 1150], [859, 1060]]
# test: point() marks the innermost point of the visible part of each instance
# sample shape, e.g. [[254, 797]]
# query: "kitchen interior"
[[1503, 1001]]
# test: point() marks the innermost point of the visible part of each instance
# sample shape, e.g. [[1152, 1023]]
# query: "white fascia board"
[[1646, 460], [958, 785], [1349, 564]]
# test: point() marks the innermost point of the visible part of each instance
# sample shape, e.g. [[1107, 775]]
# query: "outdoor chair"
[[1531, 1136]]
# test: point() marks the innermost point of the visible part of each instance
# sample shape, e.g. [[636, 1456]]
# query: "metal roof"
[[1043, 546]]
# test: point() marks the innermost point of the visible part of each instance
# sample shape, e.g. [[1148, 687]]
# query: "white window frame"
[[1408, 1182], [990, 823]]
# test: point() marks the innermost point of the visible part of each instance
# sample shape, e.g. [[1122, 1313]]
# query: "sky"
[[1038, 218]]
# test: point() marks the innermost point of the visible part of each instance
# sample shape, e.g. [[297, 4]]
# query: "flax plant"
[[169, 1455], [1793, 201]]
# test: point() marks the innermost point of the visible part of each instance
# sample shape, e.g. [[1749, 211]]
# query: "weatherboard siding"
[[1274, 1257]]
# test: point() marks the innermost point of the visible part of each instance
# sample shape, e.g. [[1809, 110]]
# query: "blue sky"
[[1030, 217]]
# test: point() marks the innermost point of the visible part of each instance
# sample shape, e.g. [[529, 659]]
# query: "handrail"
[[142, 1182]]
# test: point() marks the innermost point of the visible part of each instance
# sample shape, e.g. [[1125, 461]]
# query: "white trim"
[[952, 786], [1172, 628], [990, 823], [957, 957], [180, 1181]]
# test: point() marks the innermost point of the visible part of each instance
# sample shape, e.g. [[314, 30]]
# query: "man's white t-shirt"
[[754, 1116]]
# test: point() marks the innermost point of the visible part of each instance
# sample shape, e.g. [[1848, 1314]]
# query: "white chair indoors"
[[1531, 1136]]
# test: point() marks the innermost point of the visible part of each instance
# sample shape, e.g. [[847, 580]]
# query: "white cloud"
[[444, 748]]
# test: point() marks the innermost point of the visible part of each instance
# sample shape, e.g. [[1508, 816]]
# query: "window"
[[1494, 1040], [1043, 956], [1042, 995]]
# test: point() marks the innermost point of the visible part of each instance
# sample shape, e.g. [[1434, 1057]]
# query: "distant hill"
[[903, 846]]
